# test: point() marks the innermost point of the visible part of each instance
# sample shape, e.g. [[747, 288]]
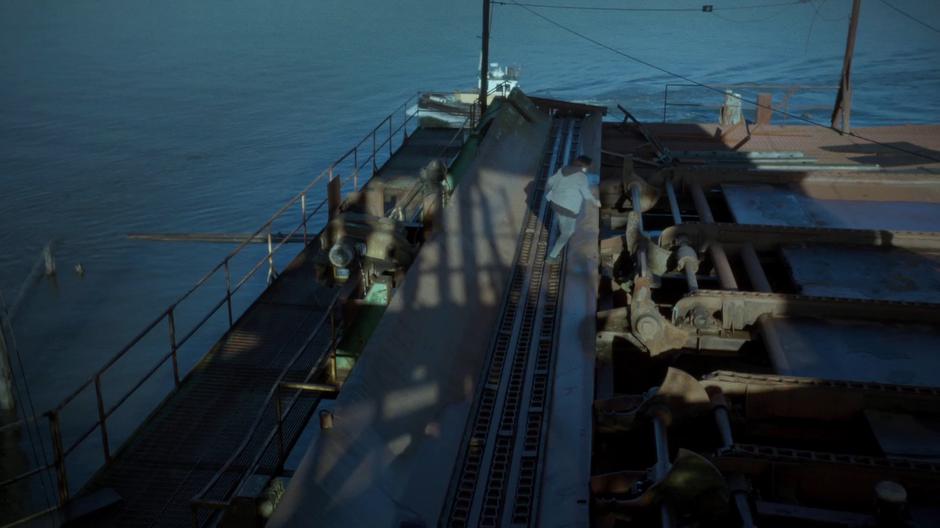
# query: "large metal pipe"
[[723, 267], [673, 203], [754, 270], [717, 252], [723, 421], [758, 279], [637, 205], [690, 277], [661, 441], [757, 276], [701, 203], [765, 323]]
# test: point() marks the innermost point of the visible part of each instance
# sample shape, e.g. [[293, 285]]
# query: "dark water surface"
[[170, 116]]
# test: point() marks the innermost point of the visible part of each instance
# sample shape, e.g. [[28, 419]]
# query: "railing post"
[[270, 259], [228, 291], [665, 99], [404, 123], [332, 346], [332, 330], [102, 420], [171, 322], [279, 413], [334, 195], [58, 454], [303, 214], [333, 376], [356, 168], [374, 167]]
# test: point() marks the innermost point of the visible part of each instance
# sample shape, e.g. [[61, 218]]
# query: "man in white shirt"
[[567, 189]]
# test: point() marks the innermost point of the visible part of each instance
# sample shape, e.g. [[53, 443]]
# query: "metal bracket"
[[738, 310], [653, 330], [767, 237]]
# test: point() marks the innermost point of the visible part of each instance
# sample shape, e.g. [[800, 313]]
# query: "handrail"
[[413, 190], [273, 392], [199, 500], [168, 315], [788, 89]]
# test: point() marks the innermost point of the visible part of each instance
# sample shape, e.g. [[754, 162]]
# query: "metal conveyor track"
[[501, 455]]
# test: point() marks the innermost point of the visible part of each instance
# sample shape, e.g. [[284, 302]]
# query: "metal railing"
[[365, 153], [786, 92], [327, 359]]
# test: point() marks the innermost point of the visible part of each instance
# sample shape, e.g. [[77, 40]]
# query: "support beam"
[[738, 310], [334, 194], [871, 185], [843, 106], [770, 237], [771, 396], [813, 472]]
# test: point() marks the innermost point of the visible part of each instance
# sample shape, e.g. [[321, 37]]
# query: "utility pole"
[[843, 108], [485, 58]]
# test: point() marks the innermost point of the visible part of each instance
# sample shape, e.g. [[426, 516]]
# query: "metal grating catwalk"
[[184, 445], [192, 434], [495, 481]]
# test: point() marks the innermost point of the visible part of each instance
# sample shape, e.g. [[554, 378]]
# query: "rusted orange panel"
[[764, 109]]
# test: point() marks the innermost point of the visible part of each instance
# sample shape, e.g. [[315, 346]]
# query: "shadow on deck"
[[189, 438]]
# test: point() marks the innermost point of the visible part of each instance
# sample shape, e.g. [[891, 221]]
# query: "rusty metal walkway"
[[192, 436]]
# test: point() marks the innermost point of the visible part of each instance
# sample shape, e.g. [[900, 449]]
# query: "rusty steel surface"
[[768, 237], [804, 290], [738, 309], [773, 205], [864, 273]]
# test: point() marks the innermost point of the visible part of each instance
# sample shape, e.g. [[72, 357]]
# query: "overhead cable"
[[712, 88], [910, 16], [706, 8]]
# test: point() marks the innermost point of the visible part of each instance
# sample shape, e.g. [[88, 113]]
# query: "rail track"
[[495, 482]]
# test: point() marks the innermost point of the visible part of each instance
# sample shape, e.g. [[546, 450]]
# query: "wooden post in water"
[[843, 108], [485, 58]]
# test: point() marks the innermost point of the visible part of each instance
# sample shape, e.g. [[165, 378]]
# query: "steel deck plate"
[[777, 205]]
